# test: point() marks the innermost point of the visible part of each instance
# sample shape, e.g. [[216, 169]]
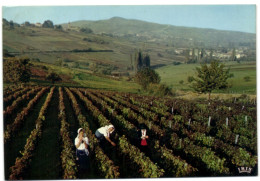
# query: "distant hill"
[[112, 45], [180, 36]]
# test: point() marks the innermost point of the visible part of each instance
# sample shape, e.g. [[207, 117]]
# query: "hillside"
[[49, 45], [113, 43], [167, 33]]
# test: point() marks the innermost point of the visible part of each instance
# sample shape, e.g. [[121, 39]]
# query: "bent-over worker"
[[104, 133]]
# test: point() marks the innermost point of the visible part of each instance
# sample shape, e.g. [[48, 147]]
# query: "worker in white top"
[[105, 132], [82, 153]]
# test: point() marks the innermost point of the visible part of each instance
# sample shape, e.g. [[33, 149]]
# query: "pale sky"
[[223, 17]]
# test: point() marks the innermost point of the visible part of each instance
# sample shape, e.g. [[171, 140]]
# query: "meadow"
[[85, 78], [172, 75]]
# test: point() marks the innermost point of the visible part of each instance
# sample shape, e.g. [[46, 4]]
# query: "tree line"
[[46, 24], [139, 60]]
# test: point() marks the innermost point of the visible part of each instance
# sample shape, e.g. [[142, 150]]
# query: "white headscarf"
[[108, 127], [79, 130]]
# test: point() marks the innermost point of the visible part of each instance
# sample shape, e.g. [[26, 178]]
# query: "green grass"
[[172, 75], [83, 78], [92, 81]]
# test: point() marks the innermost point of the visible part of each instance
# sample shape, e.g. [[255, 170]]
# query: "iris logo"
[[244, 170]]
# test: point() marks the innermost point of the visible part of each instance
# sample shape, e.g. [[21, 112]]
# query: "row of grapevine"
[[208, 159], [67, 154], [152, 103], [234, 155], [232, 119], [149, 169], [11, 90], [160, 111], [201, 124], [237, 155], [174, 165], [139, 110], [104, 164], [17, 123], [221, 129], [186, 137], [18, 102], [10, 98], [189, 108], [23, 162]]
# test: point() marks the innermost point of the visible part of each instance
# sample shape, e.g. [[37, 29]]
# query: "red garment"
[[143, 142]]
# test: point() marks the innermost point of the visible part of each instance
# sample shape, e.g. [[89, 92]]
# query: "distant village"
[[220, 54]]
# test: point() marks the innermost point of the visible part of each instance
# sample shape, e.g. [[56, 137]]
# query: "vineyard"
[[186, 138]]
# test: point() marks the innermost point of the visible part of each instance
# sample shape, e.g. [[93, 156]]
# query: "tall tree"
[[146, 61], [212, 77], [202, 54], [136, 62], [140, 60]]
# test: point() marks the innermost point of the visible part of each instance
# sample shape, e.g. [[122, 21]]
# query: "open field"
[[172, 75], [186, 138]]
